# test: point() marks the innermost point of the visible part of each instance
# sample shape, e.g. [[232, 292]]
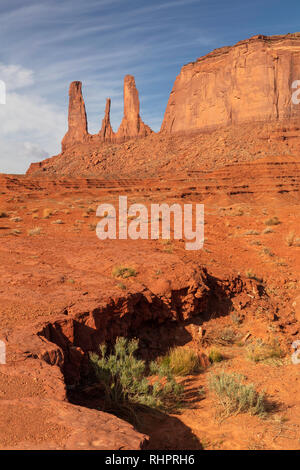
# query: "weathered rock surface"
[[78, 129], [106, 133], [132, 124], [251, 81], [61, 300]]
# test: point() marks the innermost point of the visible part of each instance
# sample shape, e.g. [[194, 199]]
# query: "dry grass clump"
[[15, 231], [124, 272], [215, 356], [58, 222], [292, 240], [267, 230], [16, 219], [182, 361], [260, 351], [34, 231], [236, 397], [252, 232], [272, 221], [227, 336]]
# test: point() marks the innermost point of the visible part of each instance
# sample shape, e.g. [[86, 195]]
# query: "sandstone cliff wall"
[[251, 81]]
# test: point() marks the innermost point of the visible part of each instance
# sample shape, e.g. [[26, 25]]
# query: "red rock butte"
[[246, 88]]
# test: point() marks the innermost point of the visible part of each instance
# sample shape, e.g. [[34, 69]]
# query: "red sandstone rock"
[[106, 133], [132, 124], [251, 81], [77, 120]]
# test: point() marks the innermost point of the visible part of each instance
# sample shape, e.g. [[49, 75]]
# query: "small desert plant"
[[124, 272], [57, 222], [16, 219], [34, 231], [182, 361], [236, 318], [267, 251], [267, 230], [251, 232], [236, 397], [3, 215], [215, 356], [226, 336], [122, 286], [251, 275], [125, 380], [255, 242], [15, 231], [291, 240], [272, 221], [260, 351]]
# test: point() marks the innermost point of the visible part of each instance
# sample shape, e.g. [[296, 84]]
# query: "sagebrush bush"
[[124, 272], [236, 397], [126, 382], [182, 361]]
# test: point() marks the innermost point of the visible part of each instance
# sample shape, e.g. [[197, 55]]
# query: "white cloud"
[[15, 76], [15, 157], [30, 127]]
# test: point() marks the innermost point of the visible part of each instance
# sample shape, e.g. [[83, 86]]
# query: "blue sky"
[[46, 44]]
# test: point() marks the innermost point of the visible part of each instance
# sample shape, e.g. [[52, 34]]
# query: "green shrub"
[[124, 272], [182, 361], [215, 356], [236, 397], [125, 380]]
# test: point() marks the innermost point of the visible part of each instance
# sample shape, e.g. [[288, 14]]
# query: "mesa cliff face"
[[241, 95], [251, 81]]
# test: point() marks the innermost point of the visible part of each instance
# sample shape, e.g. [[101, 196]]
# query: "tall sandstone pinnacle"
[[106, 133], [77, 120], [132, 124], [248, 82]]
